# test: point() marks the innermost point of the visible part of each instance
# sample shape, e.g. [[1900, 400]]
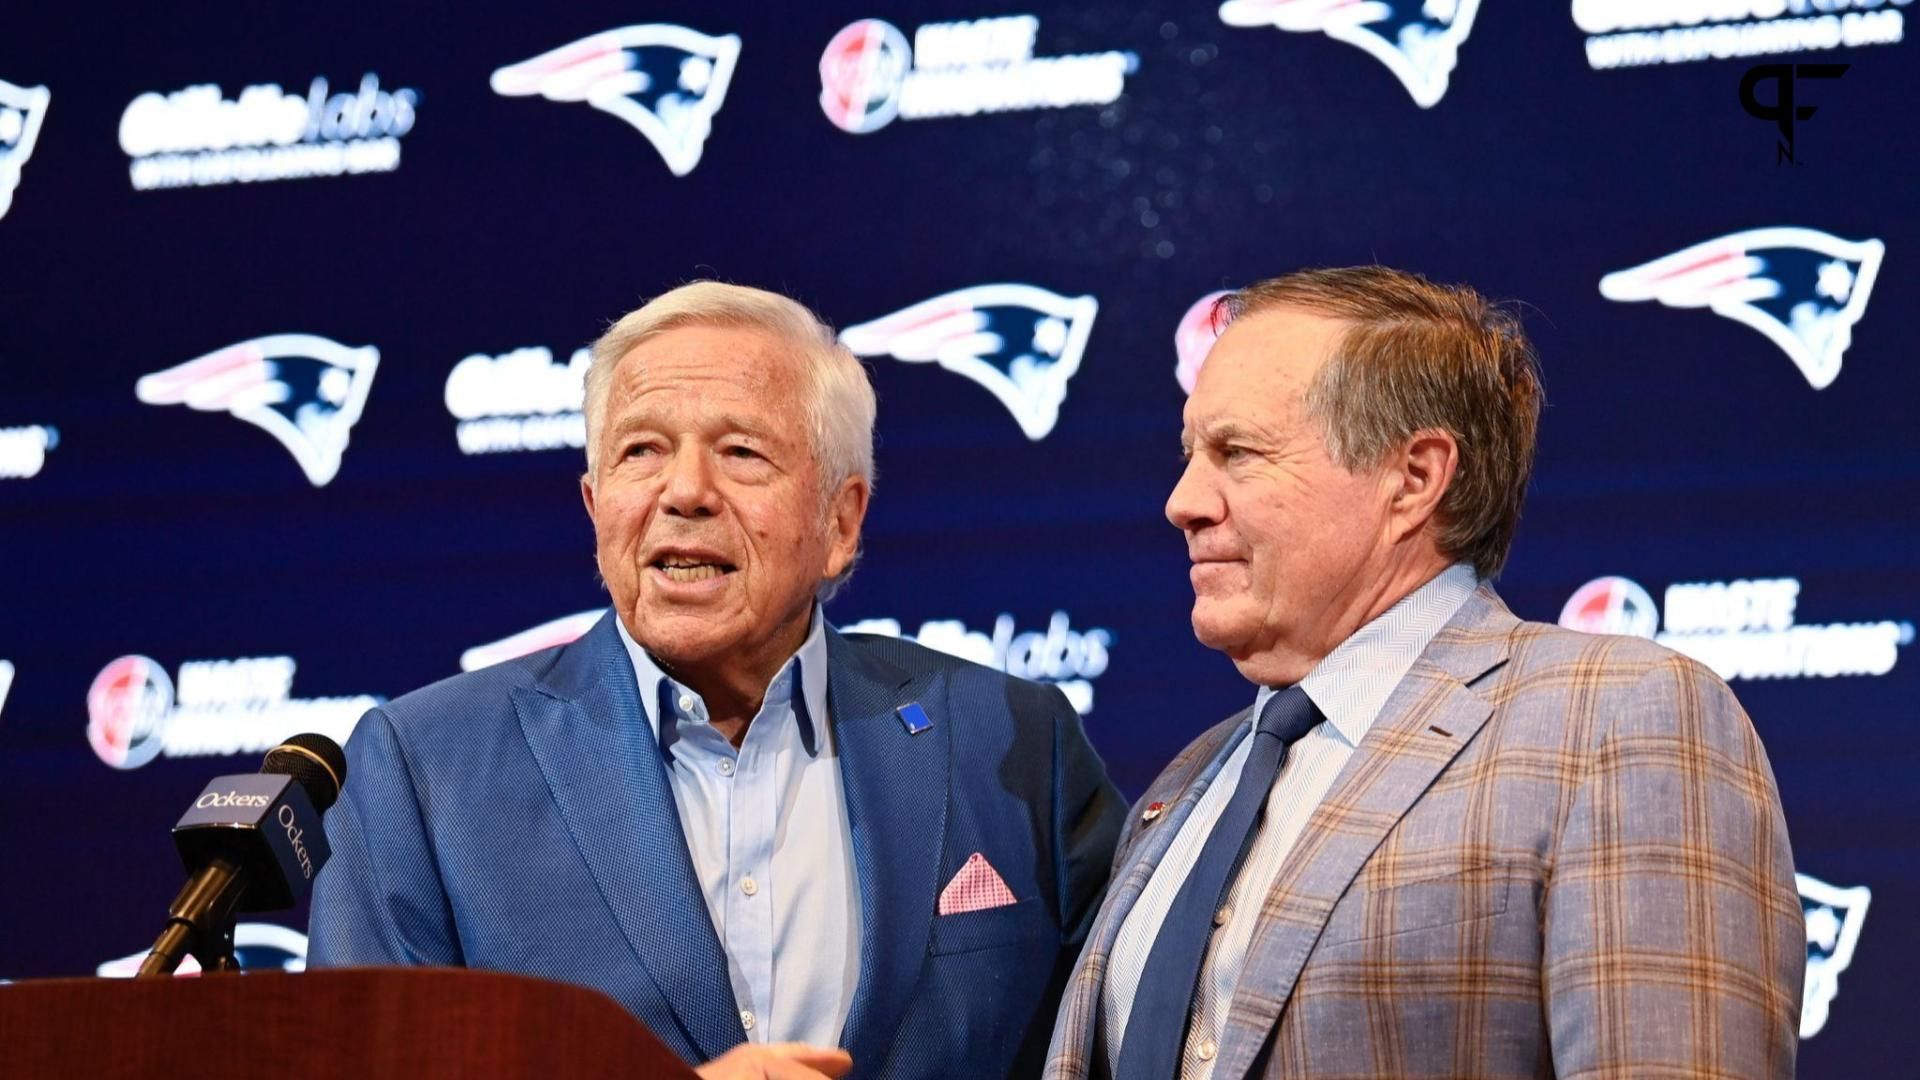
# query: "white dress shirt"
[[1349, 686]]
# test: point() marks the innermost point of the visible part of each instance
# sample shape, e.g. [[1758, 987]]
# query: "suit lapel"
[[590, 736], [896, 784], [1393, 766], [1147, 845]]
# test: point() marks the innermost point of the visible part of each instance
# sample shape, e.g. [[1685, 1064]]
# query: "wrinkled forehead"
[[1259, 370], [720, 361]]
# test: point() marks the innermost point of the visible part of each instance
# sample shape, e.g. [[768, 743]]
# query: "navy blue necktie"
[[1157, 1026]]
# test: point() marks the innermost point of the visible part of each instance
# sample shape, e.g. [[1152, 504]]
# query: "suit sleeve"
[[379, 901], [1673, 940], [1088, 813]]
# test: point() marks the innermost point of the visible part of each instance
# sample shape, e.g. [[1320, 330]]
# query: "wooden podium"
[[367, 1024]]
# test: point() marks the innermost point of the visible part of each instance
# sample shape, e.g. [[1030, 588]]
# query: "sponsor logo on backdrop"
[[23, 450], [548, 634], [6, 682], [666, 81], [870, 75], [22, 108], [305, 391], [1638, 33], [1193, 339], [1834, 917], [519, 400], [1741, 629], [198, 137], [1021, 342], [258, 947], [220, 707], [1058, 654], [1802, 288], [1418, 40]]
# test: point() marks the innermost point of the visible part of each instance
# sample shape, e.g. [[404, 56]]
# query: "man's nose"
[[1195, 502], [688, 490]]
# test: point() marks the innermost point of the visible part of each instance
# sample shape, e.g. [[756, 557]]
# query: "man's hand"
[[777, 1061]]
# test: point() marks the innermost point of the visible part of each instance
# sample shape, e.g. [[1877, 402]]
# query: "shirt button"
[[1221, 917], [726, 766], [1208, 1049], [686, 702], [746, 1019], [749, 886]]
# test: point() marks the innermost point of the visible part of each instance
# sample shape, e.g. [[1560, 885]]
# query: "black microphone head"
[[315, 761]]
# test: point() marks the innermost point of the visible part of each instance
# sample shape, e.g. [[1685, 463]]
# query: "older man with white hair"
[[779, 847]]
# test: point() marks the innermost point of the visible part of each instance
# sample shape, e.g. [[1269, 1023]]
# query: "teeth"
[[696, 572]]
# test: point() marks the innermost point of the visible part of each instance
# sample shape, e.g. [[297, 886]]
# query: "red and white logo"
[[861, 74], [559, 631], [1193, 339], [127, 710], [1611, 605]]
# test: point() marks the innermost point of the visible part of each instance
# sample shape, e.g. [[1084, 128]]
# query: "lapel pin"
[[914, 718], [1152, 811]]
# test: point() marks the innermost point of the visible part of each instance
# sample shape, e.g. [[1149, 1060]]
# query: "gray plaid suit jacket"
[[1554, 854]]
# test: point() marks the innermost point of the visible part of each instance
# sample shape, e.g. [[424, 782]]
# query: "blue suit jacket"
[[519, 818]]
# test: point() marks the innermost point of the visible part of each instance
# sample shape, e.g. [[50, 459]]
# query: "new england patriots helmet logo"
[[1418, 40], [21, 110], [1802, 288], [305, 391], [1834, 917], [1021, 342], [667, 81]]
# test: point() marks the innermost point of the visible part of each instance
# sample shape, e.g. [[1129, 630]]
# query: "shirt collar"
[[808, 666], [1352, 683]]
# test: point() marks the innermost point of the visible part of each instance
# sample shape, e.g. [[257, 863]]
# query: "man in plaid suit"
[[1443, 841]]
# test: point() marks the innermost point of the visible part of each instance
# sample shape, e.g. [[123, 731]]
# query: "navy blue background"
[[1676, 445]]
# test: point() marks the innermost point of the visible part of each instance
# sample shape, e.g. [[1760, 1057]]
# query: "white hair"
[[839, 403]]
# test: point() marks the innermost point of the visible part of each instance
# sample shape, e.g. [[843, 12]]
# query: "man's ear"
[[586, 492], [1421, 471], [846, 511]]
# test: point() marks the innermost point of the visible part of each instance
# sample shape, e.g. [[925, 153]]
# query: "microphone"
[[250, 842]]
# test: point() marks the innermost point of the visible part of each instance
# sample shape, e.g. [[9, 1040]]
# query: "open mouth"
[[685, 569]]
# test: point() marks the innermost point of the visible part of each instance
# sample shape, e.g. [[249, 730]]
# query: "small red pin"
[[1152, 811]]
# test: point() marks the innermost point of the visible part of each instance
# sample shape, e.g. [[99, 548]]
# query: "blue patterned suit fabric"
[[1553, 854], [519, 818]]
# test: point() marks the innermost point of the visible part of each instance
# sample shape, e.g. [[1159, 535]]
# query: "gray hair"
[[839, 405]]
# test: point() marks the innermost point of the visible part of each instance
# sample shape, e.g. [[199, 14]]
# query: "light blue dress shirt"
[[1350, 686], [767, 828]]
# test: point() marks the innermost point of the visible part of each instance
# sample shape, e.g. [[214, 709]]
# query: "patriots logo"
[[667, 81], [1021, 342], [21, 110], [1418, 40], [305, 391], [545, 636], [1802, 288], [1833, 919]]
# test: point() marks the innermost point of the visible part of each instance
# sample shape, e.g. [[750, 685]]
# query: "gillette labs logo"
[[23, 450], [869, 75], [197, 137], [222, 707], [1741, 629], [665, 81], [519, 400], [1638, 33], [1058, 655]]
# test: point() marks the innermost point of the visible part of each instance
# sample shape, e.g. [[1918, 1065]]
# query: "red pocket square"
[[976, 887]]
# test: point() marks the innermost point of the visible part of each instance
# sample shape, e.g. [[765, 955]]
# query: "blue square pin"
[[914, 717]]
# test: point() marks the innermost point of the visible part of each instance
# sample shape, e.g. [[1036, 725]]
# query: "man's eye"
[[639, 450], [741, 452]]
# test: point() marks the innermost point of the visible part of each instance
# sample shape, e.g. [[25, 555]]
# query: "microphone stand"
[[199, 922]]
